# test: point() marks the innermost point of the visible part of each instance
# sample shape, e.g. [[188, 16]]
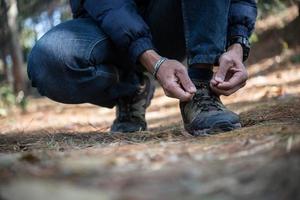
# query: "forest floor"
[[56, 151]]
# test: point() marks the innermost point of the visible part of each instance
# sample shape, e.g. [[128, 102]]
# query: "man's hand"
[[232, 74], [172, 76], [174, 79]]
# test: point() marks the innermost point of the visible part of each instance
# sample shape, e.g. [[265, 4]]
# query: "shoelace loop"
[[205, 100]]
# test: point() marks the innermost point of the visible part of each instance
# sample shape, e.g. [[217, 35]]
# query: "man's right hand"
[[174, 79], [172, 76]]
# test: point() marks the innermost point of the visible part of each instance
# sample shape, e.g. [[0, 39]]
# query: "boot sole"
[[218, 127]]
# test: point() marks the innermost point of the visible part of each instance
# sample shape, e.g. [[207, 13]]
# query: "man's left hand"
[[232, 74]]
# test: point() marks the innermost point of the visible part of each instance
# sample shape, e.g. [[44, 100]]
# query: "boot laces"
[[206, 100]]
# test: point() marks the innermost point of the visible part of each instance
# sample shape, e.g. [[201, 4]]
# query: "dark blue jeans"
[[76, 62]]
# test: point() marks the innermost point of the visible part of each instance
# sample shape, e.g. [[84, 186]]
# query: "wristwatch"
[[244, 42]]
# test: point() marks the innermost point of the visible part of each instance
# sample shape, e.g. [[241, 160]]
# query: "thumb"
[[225, 65], [186, 82]]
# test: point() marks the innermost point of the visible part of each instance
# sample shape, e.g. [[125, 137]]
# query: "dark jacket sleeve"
[[120, 20], [242, 17]]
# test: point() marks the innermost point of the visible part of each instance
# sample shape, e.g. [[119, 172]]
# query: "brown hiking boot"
[[205, 114], [131, 110]]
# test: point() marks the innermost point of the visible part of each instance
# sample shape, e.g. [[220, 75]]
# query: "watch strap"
[[244, 42]]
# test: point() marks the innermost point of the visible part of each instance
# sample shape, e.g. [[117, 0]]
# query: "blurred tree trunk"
[[298, 8], [15, 47], [3, 37], [5, 66], [297, 2]]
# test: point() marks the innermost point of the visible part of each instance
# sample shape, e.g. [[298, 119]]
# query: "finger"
[[222, 92], [225, 64], [237, 79], [239, 76], [214, 82], [176, 91], [185, 81], [227, 92], [168, 94]]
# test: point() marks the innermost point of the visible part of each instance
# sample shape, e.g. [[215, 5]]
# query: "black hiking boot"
[[131, 110], [205, 114]]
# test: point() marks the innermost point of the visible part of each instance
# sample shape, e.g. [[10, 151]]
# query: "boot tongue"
[[206, 98], [203, 87], [201, 84]]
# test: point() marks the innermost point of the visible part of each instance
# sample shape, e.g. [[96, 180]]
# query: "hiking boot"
[[131, 110], [205, 114]]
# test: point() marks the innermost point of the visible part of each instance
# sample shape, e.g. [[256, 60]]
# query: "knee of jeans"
[[75, 43], [34, 65], [43, 58], [49, 56]]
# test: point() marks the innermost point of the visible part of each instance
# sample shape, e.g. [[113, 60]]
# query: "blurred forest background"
[[23, 22], [51, 151]]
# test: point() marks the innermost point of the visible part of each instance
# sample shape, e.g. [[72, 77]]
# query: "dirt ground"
[[56, 151]]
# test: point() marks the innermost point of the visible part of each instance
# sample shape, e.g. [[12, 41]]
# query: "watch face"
[[246, 42]]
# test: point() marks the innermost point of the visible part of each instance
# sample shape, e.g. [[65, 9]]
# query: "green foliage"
[[295, 59], [254, 38], [8, 100], [27, 39], [284, 44]]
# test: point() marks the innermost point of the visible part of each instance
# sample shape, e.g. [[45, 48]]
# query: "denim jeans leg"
[[205, 25], [166, 24], [74, 63], [193, 28]]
